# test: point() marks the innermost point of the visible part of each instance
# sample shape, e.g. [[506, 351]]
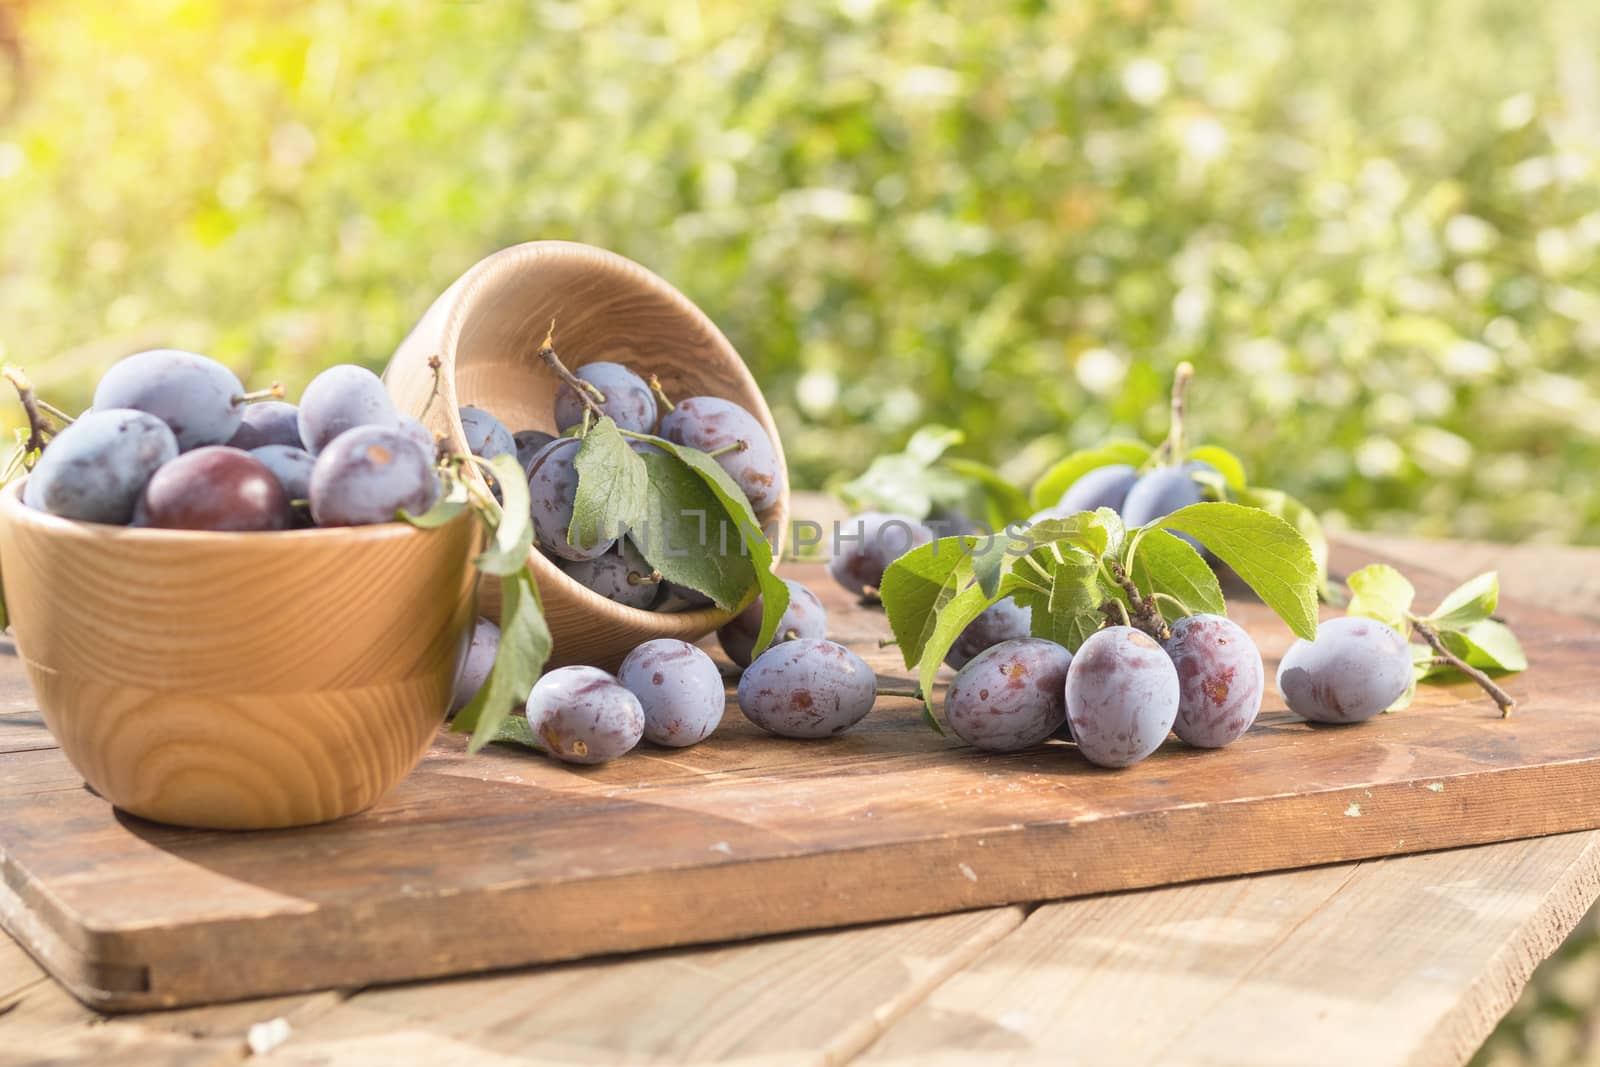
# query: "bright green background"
[[1373, 225]]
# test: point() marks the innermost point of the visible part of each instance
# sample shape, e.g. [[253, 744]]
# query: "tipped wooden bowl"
[[487, 329], [238, 681]]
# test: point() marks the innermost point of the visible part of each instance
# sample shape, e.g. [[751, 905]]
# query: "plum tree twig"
[[1501, 698], [587, 392], [30, 404]]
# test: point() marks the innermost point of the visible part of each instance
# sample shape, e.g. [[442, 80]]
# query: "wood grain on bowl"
[[238, 681], [487, 329]]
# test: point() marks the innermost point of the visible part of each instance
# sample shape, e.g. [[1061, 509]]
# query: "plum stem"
[[1502, 699], [586, 391], [436, 365], [661, 394], [54, 412], [30, 404], [1180, 387], [740, 445], [653, 578], [888, 642], [271, 392], [910, 694]]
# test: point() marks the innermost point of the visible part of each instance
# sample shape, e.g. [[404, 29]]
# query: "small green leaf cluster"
[[1080, 572], [924, 482]]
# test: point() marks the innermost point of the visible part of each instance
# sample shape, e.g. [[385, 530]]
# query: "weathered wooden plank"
[[805, 999], [1406, 960], [749, 835]]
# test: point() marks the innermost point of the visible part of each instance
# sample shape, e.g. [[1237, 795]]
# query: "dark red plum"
[[1355, 669], [1122, 696], [96, 469], [1011, 696], [552, 490], [216, 488], [342, 398], [1001, 621], [1220, 680], [868, 543], [368, 475], [198, 398], [476, 663], [1103, 487], [807, 689], [710, 424], [628, 400], [584, 715], [680, 689], [804, 617]]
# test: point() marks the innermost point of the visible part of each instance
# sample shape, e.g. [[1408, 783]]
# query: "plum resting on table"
[[1001, 621], [868, 543], [680, 689], [804, 617], [477, 660], [1355, 669], [1011, 696], [583, 715], [1220, 680], [1122, 696], [807, 689]]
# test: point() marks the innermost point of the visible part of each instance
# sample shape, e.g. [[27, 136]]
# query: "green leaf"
[[1487, 645], [929, 443], [611, 486], [1471, 602], [516, 731], [952, 618], [452, 502], [907, 482], [747, 535], [1380, 592], [917, 587], [1060, 585], [1226, 463], [1097, 532], [685, 532], [1301, 518], [1046, 492], [1267, 553], [519, 660], [512, 536], [1166, 564]]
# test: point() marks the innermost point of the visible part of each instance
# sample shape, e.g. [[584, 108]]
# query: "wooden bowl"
[[238, 681], [487, 328]]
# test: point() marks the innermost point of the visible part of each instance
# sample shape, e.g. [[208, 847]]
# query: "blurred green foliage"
[[1374, 227]]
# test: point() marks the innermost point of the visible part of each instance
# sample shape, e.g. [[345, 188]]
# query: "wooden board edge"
[[538, 924]]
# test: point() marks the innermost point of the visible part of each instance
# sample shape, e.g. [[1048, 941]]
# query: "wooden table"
[[1403, 960]]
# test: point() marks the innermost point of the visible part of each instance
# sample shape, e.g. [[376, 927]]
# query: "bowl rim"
[[12, 509], [468, 289]]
